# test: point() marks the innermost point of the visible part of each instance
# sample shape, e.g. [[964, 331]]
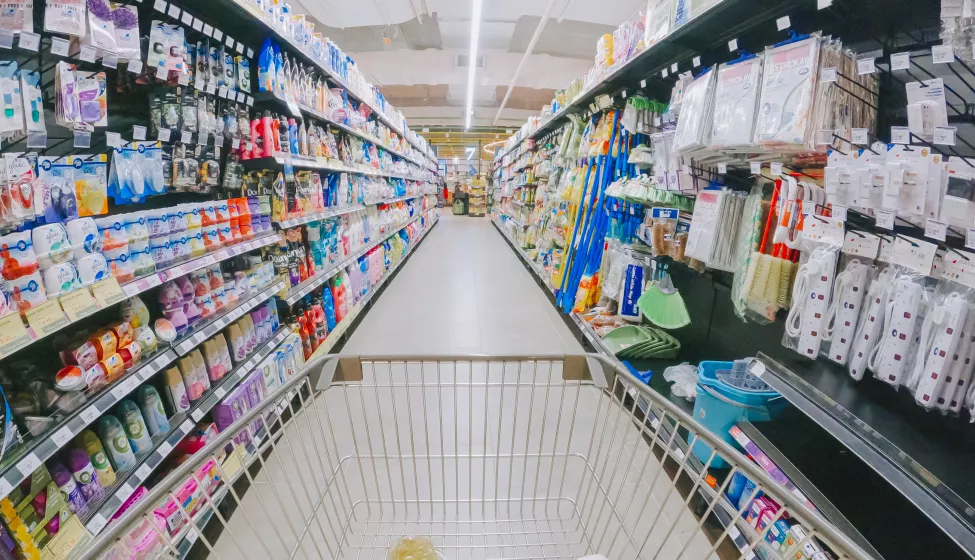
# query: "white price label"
[[162, 73], [220, 392], [123, 492], [28, 464], [6, 39], [866, 66], [900, 135], [192, 536], [821, 4], [211, 88], [733, 45], [134, 66], [196, 415], [183, 79], [250, 53], [208, 29], [187, 19], [164, 449], [62, 437], [783, 23], [113, 139], [776, 167], [900, 61], [143, 472], [97, 523], [186, 137], [828, 75], [239, 48], [29, 41], [756, 168], [197, 25], [138, 132], [164, 134], [839, 212], [935, 230], [5, 487], [860, 136], [885, 219], [223, 92], [217, 34], [235, 143], [160, 6], [90, 414], [174, 12], [673, 68], [722, 168], [643, 83], [942, 54], [664, 73], [186, 427], [240, 97], [109, 61], [696, 62], [250, 101], [970, 238], [59, 46], [944, 135]]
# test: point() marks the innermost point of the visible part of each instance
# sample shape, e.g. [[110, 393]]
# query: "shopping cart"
[[488, 457]]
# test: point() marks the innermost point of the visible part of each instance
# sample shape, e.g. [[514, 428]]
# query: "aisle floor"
[[493, 460], [463, 291]]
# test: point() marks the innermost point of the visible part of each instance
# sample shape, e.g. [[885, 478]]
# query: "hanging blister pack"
[[926, 107], [806, 323], [959, 199], [789, 79], [871, 323], [12, 117], [735, 103], [941, 334], [54, 190], [849, 291]]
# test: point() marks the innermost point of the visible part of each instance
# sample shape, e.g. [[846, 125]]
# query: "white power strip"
[[889, 359], [960, 374], [935, 358], [844, 310], [870, 324], [810, 301]]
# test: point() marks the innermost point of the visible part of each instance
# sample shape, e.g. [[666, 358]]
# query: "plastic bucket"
[[723, 402]]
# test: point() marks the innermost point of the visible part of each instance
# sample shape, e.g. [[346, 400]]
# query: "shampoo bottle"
[[116, 442], [99, 459]]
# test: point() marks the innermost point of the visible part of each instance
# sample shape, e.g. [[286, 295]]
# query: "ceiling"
[[423, 70]]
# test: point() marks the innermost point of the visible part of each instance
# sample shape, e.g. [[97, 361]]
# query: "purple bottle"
[[84, 475], [76, 501]]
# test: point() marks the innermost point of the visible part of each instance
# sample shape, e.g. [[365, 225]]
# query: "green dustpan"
[[622, 338], [657, 345]]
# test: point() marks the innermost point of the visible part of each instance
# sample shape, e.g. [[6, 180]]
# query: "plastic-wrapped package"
[[659, 17], [735, 102], [101, 26], [812, 289], [126, 21], [940, 341], [908, 302], [17, 15], [789, 78], [847, 304], [65, 16]]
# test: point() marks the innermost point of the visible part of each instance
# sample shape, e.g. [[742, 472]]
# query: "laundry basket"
[[727, 394]]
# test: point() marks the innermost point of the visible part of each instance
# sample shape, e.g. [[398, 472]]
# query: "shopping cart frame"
[[660, 424]]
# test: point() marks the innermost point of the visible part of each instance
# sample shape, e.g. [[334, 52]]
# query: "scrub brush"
[[785, 284]]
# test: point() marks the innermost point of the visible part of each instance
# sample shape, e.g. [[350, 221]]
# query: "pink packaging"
[[190, 496], [139, 493]]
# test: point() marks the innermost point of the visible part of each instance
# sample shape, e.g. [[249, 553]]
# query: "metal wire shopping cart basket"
[[488, 457]]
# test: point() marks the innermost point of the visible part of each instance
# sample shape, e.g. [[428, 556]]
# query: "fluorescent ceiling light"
[[472, 60], [455, 160]]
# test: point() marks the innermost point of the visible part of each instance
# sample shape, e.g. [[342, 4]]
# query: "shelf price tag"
[[942, 54], [900, 135], [935, 230], [885, 219], [109, 61], [944, 135], [217, 34], [164, 135], [208, 29], [160, 6], [900, 61], [783, 23], [187, 19], [13, 334], [88, 53], [673, 68], [828, 75], [970, 238], [821, 4], [230, 42], [59, 46], [6, 39], [664, 73], [866, 66], [62, 437], [46, 318], [696, 62], [859, 136], [29, 41], [107, 292], [197, 25], [776, 167], [78, 304], [839, 212], [733, 45], [90, 414], [173, 11], [134, 65], [756, 167]]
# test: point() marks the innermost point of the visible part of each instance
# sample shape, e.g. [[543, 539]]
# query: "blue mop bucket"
[[727, 394]]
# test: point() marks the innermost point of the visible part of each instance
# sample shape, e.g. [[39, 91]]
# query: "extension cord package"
[[789, 78]]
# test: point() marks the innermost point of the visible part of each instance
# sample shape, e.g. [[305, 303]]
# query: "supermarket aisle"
[[463, 291]]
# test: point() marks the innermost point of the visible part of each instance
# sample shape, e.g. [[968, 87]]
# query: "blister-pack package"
[[694, 124], [908, 302], [65, 16], [811, 291], [17, 15], [789, 78], [855, 273]]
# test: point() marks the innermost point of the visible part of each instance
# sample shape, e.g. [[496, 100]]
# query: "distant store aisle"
[[463, 291]]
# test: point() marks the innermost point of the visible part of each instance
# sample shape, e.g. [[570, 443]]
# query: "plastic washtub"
[[726, 397]]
